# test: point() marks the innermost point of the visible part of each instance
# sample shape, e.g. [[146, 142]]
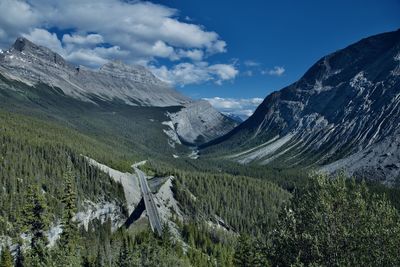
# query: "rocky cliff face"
[[133, 85], [345, 112], [199, 122]]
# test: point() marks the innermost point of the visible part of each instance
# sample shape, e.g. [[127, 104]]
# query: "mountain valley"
[[115, 167]]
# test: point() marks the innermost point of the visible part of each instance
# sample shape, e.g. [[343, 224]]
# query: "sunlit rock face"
[[198, 122]]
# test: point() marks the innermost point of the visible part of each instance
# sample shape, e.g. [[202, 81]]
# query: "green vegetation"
[[234, 215], [6, 259], [335, 222], [117, 134]]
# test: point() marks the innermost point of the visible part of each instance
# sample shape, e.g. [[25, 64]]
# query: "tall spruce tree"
[[244, 254], [124, 257], [36, 223], [166, 236], [69, 252]]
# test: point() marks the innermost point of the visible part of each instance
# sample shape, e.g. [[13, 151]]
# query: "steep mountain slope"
[[198, 123], [34, 77], [133, 85], [346, 104]]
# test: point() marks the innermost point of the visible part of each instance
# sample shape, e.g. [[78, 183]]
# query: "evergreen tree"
[[244, 256], [336, 222], [36, 223], [99, 259], [6, 259], [69, 252], [124, 257], [166, 236]]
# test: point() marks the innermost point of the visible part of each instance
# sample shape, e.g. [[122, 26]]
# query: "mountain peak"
[[30, 49], [21, 44], [320, 115], [135, 85]]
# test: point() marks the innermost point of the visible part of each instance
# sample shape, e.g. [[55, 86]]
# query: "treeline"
[[288, 179]]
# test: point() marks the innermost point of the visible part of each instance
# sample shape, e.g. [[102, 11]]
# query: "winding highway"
[[152, 213]]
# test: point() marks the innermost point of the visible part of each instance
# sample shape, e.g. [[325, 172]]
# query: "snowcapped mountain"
[[343, 113], [34, 65]]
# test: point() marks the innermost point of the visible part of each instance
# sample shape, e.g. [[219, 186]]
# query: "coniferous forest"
[[306, 219], [132, 134]]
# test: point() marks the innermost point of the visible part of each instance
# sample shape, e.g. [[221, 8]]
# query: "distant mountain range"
[[344, 113], [32, 66], [133, 85]]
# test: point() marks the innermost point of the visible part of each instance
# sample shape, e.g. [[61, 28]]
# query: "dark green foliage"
[[36, 154], [244, 203], [207, 245], [68, 253], [6, 259], [244, 252], [124, 257], [45, 178], [35, 221], [166, 236], [337, 223], [119, 134]]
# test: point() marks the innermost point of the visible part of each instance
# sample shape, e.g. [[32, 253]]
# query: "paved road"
[[151, 208]]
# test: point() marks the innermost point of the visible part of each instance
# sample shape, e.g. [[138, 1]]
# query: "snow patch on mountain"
[[54, 233]]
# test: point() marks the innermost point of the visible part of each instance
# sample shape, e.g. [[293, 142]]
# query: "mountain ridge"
[[345, 103], [115, 81], [133, 85]]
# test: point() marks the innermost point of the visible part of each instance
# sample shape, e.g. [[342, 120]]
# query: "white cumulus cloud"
[[132, 31], [276, 71], [194, 73], [242, 107], [45, 38], [84, 40]]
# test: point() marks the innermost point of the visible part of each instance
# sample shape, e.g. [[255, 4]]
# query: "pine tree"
[[36, 223], [124, 257], [166, 236], [99, 259], [6, 259], [336, 222], [243, 254], [68, 254]]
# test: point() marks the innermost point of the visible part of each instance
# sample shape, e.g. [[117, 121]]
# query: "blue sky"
[[291, 34], [233, 53]]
